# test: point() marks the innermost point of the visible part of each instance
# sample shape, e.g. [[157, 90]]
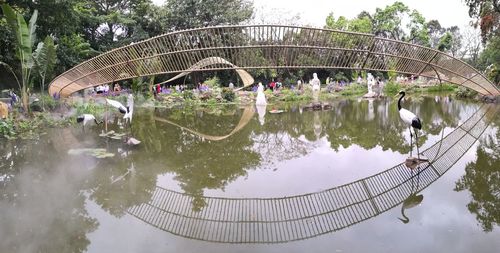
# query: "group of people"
[[6, 107], [13, 98], [104, 89], [275, 85], [202, 87], [158, 89]]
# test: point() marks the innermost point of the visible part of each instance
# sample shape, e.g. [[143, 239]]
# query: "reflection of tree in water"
[[200, 164], [350, 125], [352, 122], [42, 202], [275, 147], [119, 184], [279, 139], [482, 179]]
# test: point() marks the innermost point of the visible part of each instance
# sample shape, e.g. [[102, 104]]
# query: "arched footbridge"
[[283, 219], [267, 47]]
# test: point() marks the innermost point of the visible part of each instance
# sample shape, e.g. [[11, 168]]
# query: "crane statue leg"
[[411, 141], [416, 143]]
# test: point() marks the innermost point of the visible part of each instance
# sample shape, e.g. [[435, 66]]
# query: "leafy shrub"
[[465, 93], [392, 88], [90, 108], [290, 95], [213, 82], [442, 87], [340, 76], [49, 102], [26, 129], [188, 95], [354, 89], [7, 129], [228, 94]]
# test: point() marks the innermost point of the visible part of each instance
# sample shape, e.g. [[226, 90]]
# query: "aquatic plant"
[[392, 87], [465, 93], [354, 89], [442, 87], [7, 129], [228, 94]]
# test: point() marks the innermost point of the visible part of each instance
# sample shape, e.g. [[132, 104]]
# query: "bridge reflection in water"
[[276, 220]]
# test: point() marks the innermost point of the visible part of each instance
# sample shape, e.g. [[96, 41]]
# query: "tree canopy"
[[83, 28], [487, 17]]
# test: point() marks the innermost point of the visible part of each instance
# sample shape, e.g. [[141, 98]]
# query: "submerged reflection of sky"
[[441, 223]]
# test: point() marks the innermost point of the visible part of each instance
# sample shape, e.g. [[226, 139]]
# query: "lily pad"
[[95, 152], [113, 135], [80, 151], [104, 155], [107, 134]]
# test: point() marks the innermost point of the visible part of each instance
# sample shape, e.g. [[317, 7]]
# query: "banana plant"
[[45, 61], [25, 38]]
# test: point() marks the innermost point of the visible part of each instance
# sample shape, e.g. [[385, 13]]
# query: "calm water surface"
[[52, 201]]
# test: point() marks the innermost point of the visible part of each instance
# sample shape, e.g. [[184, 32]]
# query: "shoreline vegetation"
[[63, 112]]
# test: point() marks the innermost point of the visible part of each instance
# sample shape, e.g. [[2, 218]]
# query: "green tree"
[[25, 39], [361, 24], [445, 42], [199, 13], [489, 59], [487, 15], [7, 39], [456, 44], [418, 29], [341, 23], [435, 32], [107, 19], [387, 21], [45, 60], [71, 50]]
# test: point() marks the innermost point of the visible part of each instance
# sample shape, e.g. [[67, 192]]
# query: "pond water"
[[229, 179]]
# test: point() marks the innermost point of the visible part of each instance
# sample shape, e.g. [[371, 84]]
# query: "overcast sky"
[[314, 12]]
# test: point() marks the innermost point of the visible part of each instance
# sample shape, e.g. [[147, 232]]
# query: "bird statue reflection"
[[412, 201]]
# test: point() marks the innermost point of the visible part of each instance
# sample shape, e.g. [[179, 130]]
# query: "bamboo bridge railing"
[[247, 47]]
